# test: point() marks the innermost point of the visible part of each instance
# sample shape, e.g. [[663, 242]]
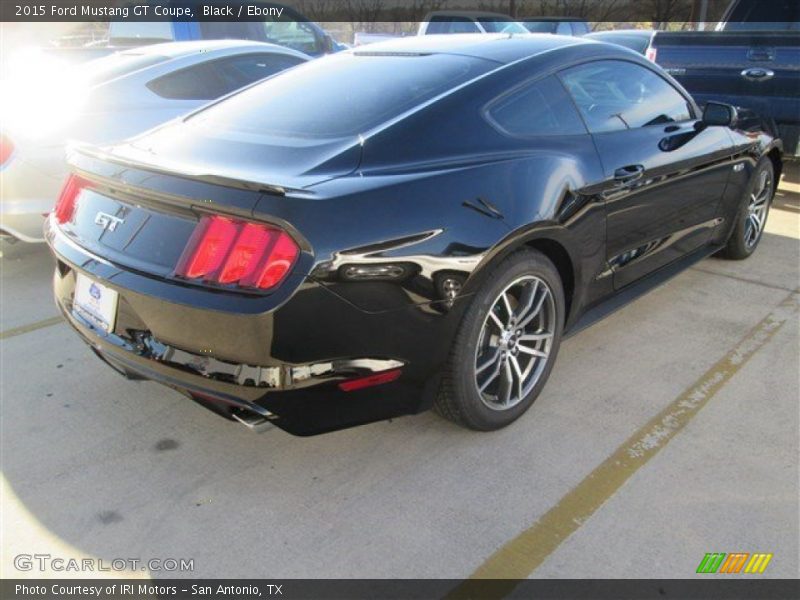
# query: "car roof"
[[180, 49], [498, 47]]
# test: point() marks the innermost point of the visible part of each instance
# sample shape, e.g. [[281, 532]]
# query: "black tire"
[[742, 241], [459, 398]]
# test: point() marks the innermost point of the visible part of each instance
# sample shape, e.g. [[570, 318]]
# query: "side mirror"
[[718, 113]]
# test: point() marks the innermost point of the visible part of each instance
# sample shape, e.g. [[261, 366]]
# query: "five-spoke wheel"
[[506, 345], [514, 343], [748, 226], [757, 208]]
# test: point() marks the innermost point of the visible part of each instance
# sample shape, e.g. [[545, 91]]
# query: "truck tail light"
[[227, 251]]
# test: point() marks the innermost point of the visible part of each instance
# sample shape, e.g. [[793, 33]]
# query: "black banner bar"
[[710, 588], [362, 11]]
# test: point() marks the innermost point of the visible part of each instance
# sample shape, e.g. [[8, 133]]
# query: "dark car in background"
[[317, 260], [638, 40]]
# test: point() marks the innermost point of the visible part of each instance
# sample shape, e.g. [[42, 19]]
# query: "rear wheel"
[[506, 345], [752, 216]]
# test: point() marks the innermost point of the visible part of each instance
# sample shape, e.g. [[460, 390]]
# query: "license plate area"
[[95, 302]]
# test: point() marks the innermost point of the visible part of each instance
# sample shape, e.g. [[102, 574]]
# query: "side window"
[[451, 25], [539, 108], [613, 95], [210, 80], [564, 28]]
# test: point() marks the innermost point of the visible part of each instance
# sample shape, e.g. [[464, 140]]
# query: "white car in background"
[[468, 21], [107, 100]]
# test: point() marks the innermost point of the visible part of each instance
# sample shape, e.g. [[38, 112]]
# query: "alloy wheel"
[[515, 343], [757, 209]]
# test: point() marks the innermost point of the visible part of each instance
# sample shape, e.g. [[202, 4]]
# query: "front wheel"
[[506, 345], [752, 215]]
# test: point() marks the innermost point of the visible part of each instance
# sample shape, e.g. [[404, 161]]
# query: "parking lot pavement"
[[94, 466]]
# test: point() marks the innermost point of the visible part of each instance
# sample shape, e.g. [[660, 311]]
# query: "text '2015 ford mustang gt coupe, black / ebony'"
[[412, 225]]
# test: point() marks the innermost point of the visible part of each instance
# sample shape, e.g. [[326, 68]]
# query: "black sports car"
[[410, 225]]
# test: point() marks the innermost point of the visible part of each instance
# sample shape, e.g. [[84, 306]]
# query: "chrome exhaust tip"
[[255, 422]]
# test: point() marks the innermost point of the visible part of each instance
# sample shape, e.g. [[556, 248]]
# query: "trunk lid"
[[143, 219], [192, 149]]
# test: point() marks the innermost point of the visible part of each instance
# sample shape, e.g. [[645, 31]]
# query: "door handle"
[[629, 174]]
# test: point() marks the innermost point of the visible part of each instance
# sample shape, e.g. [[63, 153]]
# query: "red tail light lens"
[[651, 54], [68, 199], [360, 383], [6, 149], [230, 252]]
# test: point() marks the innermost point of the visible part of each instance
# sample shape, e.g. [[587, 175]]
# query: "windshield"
[[340, 95], [501, 25]]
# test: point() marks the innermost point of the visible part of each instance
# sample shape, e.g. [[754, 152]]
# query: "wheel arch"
[[551, 242], [775, 156]]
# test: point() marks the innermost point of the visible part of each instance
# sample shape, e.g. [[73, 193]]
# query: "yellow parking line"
[[23, 329], [519, 557]]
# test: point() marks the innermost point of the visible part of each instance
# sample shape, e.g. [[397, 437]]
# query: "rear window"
[[541, 26], [500, 25], [451, 25], [340, 95], [214, 79]]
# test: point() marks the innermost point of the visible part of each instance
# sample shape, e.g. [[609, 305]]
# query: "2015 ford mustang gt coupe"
[[410, 225]]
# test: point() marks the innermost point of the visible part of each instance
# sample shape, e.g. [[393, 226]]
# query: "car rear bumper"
[[283, 365]]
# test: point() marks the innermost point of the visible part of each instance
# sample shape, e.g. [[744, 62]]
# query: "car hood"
[[236, 158]]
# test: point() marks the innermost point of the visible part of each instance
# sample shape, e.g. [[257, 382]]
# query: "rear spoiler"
[[183, 171]]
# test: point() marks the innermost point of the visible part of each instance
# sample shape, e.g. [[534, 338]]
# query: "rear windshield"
[[541, 26], [340, 95], [501, 25]]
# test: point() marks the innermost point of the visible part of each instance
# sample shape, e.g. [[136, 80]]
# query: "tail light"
[[651, 54], [68, 199], [351, 385], [6, 149], [226, 251]]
